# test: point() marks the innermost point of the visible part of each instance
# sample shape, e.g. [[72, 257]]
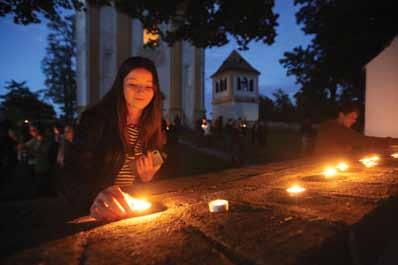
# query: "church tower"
[[235, 92], [106, 37]]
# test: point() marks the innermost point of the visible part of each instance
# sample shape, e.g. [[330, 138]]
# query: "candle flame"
[[218, 202], [370, 161], [137, 205], [330, 172], [342, 166], [295, 189]]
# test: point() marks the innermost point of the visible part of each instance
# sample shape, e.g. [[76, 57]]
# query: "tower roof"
[[237, 63]]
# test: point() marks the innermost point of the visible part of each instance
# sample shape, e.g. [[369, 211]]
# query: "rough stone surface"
[[263, 226]]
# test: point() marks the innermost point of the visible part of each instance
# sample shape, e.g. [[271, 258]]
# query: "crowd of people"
[[31, 153], [232, 136]]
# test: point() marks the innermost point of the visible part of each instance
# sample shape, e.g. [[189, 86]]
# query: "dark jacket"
[[334, 138], [95, 158]]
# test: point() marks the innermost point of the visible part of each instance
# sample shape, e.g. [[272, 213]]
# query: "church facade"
[[235, 89], [105, 38]]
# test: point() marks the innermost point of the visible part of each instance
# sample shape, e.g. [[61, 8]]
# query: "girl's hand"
[[110, 205], [145, 168]]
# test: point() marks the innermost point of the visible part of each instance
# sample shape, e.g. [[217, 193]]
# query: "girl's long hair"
[[114, 103]]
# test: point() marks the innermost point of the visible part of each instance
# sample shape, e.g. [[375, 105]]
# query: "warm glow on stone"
[[342, 166], [218, 206], [395, 155], [295, 189]]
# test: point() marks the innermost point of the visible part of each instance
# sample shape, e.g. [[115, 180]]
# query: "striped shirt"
[[125, 175]]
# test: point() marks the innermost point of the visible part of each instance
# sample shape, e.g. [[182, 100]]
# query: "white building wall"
[[136, 37], [108, 59], [188, 93], [381, 107], [108, 67], [81, 58], [163, 68], [235, 110]]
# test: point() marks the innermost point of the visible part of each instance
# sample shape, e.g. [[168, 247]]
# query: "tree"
[[266, 109], [346, 35], [26, 12], [283, 106], [204, 23], [19, 104], [59, 65]]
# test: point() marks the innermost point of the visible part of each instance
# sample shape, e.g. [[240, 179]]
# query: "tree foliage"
[[280, 108], [346, 35], [204, 23], [20, 103], [29, 11], [59, 65]]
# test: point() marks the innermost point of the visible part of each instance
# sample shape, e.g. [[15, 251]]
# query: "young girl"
[[113, 141]]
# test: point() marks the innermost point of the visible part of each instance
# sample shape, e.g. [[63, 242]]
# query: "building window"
[[217, 87], [251, 88], [151, 38], [238, 81], [244, 84]]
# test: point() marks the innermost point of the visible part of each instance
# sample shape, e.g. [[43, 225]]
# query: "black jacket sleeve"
[[80, 179]]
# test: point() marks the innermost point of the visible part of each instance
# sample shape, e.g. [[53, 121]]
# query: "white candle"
[[218, 206]]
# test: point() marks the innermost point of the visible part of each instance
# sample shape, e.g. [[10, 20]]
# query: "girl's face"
[[138, 88]]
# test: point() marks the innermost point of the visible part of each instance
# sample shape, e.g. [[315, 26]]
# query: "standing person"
[[37, 149], [65, 144], [113, 141]]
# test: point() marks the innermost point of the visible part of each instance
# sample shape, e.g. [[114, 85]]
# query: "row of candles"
[[368, 162], [220, 205]]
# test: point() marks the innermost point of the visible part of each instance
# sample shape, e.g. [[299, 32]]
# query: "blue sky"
[[23, 47]]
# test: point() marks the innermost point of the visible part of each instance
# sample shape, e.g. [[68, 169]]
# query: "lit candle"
[[370, 161], [137, 205], [295, 189], [218, 206], [329, 172], [395, 155], [342, 166]]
